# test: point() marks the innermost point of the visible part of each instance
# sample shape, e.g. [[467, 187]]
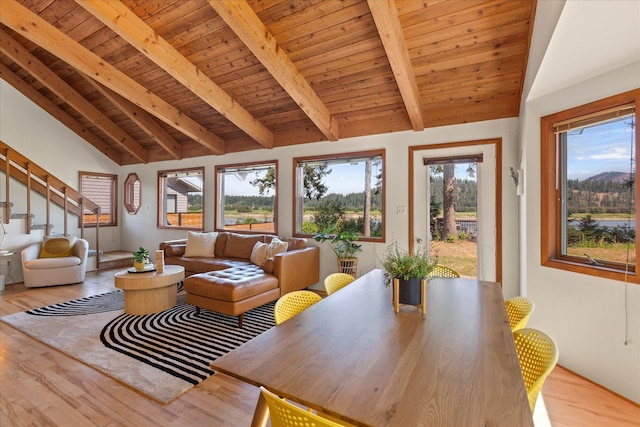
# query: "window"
[[132, 193], [589, 195], [181, 204], [341, 193], [101, 189], [247, 197]]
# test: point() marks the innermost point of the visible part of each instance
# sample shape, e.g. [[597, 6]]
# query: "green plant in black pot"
[[407, 266]]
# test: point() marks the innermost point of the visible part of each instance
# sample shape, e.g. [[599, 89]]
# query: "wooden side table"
[[149, 292]]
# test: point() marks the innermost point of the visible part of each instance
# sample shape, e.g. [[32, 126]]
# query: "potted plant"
[[344, 246], [140, 258], [409, 268]]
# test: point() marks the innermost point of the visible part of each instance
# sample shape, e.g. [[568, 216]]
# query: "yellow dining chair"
[[293, 303], [538, 355], [336, 281], [519, 310], [286, 414], [444, 271]]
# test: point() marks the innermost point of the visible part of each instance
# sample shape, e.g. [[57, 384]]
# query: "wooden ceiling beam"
[[45, 35], [50, 107], [385, 16], [249, 28], [18, 53], [144, 120], [134, 30]]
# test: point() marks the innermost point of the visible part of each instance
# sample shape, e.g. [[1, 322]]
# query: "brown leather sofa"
[[231, 284]]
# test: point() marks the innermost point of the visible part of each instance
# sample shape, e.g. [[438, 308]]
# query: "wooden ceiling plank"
[[479, 10], [385, 17], [300, 49], [340, 56], [456, 59], [40, 71], [246, 24], [465, 35], [50, 107], [128, 26], [286, 25], [140, 117], [460, 75], [32, 27]]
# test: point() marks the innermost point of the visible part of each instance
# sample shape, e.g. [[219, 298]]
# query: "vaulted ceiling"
[[145, 81]]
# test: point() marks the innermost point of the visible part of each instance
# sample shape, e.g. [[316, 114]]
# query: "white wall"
[[586, 315]]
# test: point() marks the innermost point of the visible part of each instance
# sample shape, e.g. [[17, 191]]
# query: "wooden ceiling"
[[145, 81]]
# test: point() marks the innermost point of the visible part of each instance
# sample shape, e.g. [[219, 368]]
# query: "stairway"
[[40, 191]]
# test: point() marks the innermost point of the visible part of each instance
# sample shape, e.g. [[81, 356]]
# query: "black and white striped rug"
[[93, 304], [180, 343], [161, 355]]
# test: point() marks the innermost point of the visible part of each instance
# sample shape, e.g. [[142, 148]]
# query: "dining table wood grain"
[[352, 357]]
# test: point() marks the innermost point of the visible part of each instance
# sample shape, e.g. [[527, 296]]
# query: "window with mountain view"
[[589, 168], [247, 197], [342, 192]]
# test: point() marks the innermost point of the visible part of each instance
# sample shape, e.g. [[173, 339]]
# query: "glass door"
[[454, 206]]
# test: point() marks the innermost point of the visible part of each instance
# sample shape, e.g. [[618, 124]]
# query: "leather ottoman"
[[231, 291]]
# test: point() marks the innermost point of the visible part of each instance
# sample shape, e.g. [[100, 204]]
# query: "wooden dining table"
[[352, 357]]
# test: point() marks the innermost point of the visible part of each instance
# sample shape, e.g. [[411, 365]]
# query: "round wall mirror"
[[132, 194]]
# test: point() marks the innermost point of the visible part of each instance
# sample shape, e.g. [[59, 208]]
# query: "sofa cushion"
[[295, 243], [241, 245], [268, 265], [174, 250], [200, 244], [259, 253], [202, 265], [51, 263], [57, 247]]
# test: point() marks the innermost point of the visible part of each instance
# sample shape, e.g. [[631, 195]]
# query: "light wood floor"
[[40, 386]]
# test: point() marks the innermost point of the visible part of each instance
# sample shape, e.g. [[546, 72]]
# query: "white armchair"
[[54, 270]]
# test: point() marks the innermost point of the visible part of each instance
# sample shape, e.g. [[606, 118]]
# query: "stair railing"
[[54, 190]]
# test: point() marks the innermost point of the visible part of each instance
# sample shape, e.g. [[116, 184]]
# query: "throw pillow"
[[57, 247], [259, 254], [275, 247], [200, 244]]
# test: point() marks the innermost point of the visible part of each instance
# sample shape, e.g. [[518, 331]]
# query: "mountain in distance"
[[618, 177]]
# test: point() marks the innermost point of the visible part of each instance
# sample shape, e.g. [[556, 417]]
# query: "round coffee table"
[[149, 292]]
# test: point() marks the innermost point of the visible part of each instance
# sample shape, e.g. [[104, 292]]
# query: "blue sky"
[[345, 178], [597, 149]]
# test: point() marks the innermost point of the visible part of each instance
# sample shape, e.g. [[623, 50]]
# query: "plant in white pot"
[[140, 258], [410, 268], [344, 246]]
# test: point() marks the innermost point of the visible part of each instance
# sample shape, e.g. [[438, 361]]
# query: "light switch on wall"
[[402, 210]]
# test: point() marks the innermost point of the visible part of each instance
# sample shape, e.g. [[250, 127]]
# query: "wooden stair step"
[[114, 259]]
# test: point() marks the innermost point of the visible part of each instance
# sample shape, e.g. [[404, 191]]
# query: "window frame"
[[337, 156], [219, 194], [132, 193], [551, 197], [161, 175], [113, 198]]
